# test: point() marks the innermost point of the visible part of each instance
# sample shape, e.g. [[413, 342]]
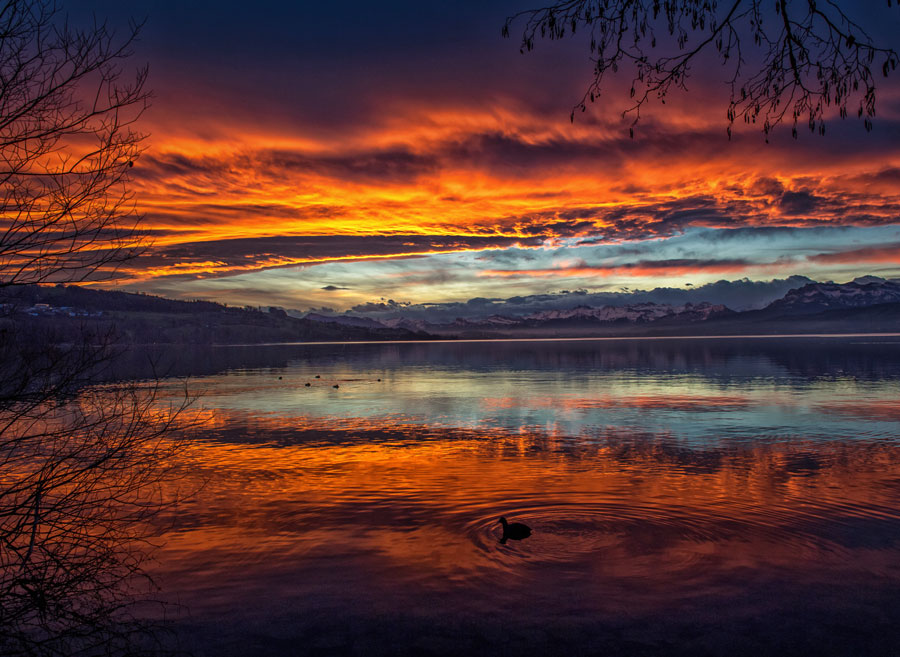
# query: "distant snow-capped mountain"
[[641, 312], [586, 316], [406, 323], [496, 321], [859, 305], [816, 297], [345, 320]]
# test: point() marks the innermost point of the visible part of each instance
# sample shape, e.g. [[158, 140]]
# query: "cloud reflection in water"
[[699, 497]]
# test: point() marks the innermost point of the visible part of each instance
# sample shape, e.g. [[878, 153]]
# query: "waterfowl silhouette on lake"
[[515, 531], [335, 386], [307, 384]]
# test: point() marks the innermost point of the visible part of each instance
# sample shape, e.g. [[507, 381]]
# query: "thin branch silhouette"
[[82, 463], [803, 57]]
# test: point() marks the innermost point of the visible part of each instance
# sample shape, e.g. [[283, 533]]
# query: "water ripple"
[[644, 539]]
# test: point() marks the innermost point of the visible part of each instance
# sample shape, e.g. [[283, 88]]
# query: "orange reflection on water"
[[408, 508]]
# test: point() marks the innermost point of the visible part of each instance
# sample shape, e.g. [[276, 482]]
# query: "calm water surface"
[[715, 497]]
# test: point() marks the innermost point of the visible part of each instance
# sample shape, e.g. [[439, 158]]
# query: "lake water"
[[687, 497]]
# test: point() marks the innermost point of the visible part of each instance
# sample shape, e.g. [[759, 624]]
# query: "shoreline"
[[577, 339]]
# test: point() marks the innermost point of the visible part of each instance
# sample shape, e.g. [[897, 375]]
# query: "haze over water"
[[686, 497]]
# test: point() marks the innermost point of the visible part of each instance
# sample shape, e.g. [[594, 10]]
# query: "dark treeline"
[[73, 296], [65, 313]]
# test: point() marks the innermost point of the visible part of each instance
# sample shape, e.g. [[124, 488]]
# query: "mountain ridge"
[[806, 304], [867, 304]]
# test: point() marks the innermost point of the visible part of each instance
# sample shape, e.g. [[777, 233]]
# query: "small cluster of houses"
[[46, 310]]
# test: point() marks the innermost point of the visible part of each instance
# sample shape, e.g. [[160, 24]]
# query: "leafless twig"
[[803, 57]]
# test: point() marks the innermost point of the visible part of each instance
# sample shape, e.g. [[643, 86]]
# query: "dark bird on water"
[[317, 376], [308, 384], [515, 530], [335, 386]]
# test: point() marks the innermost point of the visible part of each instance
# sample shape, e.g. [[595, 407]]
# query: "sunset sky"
[[333, 154]]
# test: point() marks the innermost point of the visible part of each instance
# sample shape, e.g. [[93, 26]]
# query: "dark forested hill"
[[64, 311]]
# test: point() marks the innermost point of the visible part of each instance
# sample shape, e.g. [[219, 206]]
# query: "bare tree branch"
[[806, 56], [81, 470], [81, 464], [67, 145]]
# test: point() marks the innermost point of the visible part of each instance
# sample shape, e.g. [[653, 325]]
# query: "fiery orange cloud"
[[483, 178], [273, 262]]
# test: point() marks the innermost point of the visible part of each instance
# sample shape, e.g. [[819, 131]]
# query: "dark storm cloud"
[[511, 155], [748, 233], [234, 256], [800, 202], [393, 164], [696, 264], [397, 165], [767, 187], [666, 219], [888, 176]]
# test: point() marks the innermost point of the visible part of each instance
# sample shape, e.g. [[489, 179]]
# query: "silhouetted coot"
[[335, 386], [515, 531], [317, 376], [279, 378], [307, 384]]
